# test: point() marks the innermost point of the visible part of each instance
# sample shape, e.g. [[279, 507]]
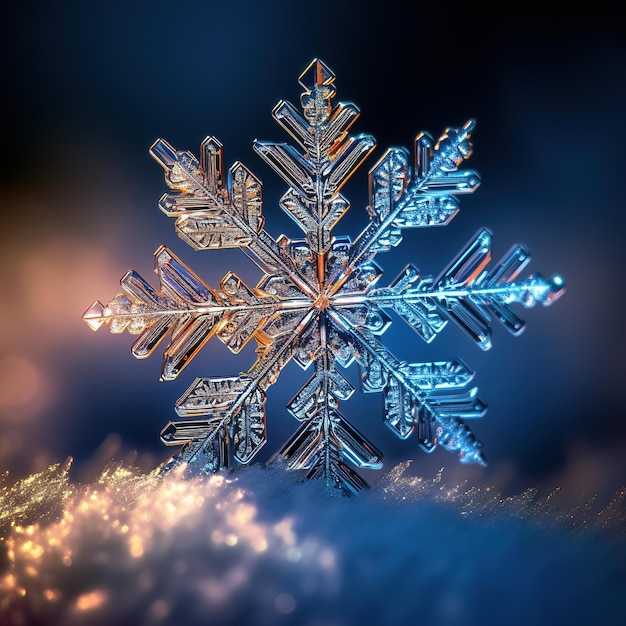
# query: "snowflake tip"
[[316, 74], [93, 316]]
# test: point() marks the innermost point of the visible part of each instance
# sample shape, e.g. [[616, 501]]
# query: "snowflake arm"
[[187, 307], [427, 394], [211, 216], [467, 294], [330, 158], [235, 407], [326, 441], [399, 200]]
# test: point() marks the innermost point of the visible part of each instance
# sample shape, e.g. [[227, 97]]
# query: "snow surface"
[[260, 547]]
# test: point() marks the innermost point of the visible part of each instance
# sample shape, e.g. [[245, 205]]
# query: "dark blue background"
[[87, 88]]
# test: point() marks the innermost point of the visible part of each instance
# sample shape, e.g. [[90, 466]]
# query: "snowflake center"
[[322, 302]]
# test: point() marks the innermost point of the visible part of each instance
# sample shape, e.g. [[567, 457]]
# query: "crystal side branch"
[[318, 302]]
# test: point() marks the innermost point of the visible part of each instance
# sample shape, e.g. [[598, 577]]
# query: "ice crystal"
[[317, 302]]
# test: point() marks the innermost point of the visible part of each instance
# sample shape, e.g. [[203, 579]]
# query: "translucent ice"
[[318, 301]]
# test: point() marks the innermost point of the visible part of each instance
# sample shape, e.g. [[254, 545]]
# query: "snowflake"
[[317, 302]]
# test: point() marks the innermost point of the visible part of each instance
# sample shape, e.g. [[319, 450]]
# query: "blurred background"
[[88, 87]]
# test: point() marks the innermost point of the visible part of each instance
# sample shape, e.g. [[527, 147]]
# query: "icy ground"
[[259, 547]]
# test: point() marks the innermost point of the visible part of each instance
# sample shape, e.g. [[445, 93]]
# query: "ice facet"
[[320, 300], [93, 315]]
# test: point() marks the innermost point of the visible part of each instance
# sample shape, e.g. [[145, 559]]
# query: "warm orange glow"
[[19, 381], [51, 595], [89, 601], [135, 546]]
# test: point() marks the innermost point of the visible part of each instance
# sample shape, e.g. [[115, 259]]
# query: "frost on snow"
[[318, 301]]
